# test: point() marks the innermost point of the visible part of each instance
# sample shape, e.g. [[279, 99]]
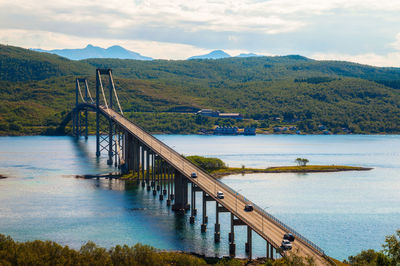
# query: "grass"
[[288, 169]]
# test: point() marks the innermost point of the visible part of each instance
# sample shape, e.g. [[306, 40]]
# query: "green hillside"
[[299, 91], [18, 64]]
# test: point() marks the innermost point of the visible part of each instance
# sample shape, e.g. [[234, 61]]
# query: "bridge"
[[165, 172]]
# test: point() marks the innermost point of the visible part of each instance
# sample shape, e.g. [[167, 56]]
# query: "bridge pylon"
[[80, 119], [105, 143]]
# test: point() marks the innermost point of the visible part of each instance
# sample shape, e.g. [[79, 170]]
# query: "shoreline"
[[289, 169], [202, 134]]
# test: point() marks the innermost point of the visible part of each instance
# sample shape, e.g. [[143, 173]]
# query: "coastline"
[[289, 169]]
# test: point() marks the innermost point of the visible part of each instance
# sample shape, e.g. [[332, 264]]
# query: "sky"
[[363, 31]]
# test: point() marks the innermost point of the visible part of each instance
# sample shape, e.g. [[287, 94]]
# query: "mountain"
[[247, 55], [91, 51], [217, 54]]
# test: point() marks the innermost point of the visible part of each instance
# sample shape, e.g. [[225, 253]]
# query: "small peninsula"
[[218, 168], [288, 169]]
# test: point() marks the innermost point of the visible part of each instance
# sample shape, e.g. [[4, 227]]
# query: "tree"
[[301, 161], [369, 257], [392, 247]]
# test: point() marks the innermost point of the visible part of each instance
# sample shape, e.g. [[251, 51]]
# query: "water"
[[342, 212]]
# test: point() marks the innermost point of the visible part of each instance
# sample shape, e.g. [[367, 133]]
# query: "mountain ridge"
[[91, 51]]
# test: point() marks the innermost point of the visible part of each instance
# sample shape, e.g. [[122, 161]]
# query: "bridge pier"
[[232, 245], [169, 177], [217, 228], [162, 177], [142, 163], [249, 245], [181, 193], [148, 152]]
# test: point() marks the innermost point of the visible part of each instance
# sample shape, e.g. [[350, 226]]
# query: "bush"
[[208, 164]]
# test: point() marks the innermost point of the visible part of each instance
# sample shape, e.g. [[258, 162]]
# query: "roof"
[[229, 114]]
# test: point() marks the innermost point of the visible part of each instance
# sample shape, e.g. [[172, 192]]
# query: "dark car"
[[248, 208], [193, 175], [289, 236]]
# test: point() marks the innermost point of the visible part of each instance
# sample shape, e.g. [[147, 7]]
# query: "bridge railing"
[[161, 145]]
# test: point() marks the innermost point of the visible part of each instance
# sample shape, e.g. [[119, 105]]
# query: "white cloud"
[[270, 17], [387, 60], [396, 43], [163, 25]]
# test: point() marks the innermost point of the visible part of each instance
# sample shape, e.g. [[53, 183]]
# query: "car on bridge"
[[220, 194], [286, 244], [289, 236], [248, 207], [193, 175]]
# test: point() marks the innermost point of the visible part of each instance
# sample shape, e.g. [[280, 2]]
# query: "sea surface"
[[343, 212]]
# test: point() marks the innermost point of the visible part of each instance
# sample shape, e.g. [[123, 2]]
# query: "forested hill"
[[36, 91], [18, 64], [246, 69]]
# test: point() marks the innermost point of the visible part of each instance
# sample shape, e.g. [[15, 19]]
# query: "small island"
[[288, 169], [218, 168]]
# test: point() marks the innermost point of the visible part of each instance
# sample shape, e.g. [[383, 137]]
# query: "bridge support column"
[[160, 162], [163, 170], [217, 235], [248, 245], [164, 192], [205, 218], [173, 178], [97, 113], [156, 173], [110, 142], [136, 149], [153, 169], [169, 187], [193, 203], [148, 154], [271, 251], [181, 193], [142, 164], [232, 245]]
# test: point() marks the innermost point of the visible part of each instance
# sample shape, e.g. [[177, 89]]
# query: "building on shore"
[[249, 131], [208, 112], [226, 131], [231, 115], [212, 113]]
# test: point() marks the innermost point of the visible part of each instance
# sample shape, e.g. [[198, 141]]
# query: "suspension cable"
[[89, 94], [115, 92], [104, 96], [80, 91]]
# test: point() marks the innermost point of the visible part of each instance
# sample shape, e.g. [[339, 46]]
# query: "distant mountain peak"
[[91, 51], [216, 54], [248, 55]]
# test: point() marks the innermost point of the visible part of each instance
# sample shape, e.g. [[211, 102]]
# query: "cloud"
[[386, 60], [272, 27], [268, 17]]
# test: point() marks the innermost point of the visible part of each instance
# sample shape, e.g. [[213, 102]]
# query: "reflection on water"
[[342, 212]]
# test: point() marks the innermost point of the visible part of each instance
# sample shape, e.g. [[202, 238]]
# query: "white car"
[[286, 244], [220, 194]]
